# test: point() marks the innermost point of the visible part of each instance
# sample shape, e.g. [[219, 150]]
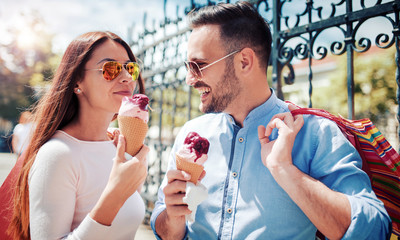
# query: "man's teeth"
[[204, 90]]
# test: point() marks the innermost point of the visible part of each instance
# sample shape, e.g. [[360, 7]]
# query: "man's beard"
[[226, 90]]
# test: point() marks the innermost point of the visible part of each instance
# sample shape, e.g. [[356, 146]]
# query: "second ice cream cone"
[[134, 130], [194, 169]]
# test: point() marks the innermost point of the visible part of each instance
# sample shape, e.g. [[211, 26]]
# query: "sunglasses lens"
[[111, 70], [194, 68], [133, 69]]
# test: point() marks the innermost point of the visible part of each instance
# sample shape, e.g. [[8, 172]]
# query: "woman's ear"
[[77, 89], [247, 59]]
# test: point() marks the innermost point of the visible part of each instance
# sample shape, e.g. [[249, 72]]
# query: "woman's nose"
[[126, 76]]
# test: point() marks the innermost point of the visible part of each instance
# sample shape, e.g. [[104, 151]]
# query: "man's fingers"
[[262, 135], [286, 118], [298, 122], [292, 107], [175, 199], [173, 175], [175, 187], [202, 175], [178, 210]]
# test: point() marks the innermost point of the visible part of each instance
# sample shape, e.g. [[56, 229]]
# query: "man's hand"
[[312, 196], [174, 192], [278, 153], [171, 224]]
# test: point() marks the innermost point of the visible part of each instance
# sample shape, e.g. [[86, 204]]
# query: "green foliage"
[[374, 86], [27, 63]]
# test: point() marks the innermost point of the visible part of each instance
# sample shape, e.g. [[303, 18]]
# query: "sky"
[[69, 18]]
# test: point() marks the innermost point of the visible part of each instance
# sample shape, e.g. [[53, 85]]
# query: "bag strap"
[[313, 111], [318, 112]]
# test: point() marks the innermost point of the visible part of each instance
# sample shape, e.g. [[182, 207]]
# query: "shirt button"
[[234, 174], [229, 210], [241, 139]]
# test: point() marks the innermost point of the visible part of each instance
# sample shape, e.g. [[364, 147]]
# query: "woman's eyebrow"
[[106, 60], [111, 59]]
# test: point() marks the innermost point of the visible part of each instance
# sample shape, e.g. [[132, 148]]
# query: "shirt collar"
[[260, 111]]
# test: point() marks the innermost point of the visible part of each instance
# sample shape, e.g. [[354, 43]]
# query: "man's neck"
[[239, 111]]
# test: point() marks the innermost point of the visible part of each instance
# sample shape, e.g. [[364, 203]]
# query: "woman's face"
[[96, 92]]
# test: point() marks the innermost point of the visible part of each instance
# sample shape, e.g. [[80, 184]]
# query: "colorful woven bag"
[[380, 161]]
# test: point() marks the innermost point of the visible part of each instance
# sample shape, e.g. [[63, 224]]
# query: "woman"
[[75, 183]]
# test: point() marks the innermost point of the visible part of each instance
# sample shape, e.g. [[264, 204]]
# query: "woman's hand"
[[127, 176], [125, 179]]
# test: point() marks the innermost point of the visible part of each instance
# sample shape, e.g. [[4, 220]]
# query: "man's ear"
[[247, 59]]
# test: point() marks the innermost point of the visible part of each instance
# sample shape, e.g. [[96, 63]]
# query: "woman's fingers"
[[116, 133], [141, 155], [120, 149]]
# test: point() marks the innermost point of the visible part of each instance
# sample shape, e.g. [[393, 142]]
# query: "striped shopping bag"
[[380, 161]]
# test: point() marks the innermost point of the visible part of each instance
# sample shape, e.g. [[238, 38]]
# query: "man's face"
[[218, 86]]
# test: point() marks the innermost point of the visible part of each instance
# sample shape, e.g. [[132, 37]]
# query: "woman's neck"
[[89, 128]]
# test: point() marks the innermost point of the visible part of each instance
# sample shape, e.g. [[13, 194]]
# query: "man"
[[308, 176]]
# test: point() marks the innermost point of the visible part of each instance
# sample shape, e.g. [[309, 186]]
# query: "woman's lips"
[[124, 93]]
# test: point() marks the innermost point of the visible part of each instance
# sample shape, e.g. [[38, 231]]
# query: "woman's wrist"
[[106, 208]]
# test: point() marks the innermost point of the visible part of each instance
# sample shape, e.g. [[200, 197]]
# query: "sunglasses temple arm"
[[209, 65]]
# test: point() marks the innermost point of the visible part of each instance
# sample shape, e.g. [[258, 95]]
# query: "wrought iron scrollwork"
[[298, 29]]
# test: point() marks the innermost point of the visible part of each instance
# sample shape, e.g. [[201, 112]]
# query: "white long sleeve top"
[[66, 181]]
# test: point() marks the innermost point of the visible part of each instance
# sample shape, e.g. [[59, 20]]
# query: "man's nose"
[[191, 79]]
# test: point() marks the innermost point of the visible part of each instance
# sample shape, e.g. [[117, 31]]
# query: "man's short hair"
[[241, 26]]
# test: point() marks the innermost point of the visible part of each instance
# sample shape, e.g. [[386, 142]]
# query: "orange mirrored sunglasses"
[[112, 69]]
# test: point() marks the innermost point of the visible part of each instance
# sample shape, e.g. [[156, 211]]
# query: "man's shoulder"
[[318, 122]]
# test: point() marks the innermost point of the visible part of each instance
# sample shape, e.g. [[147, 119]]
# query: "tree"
[[374, 87], [26, 61]]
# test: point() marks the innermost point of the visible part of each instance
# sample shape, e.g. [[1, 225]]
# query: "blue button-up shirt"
[[245, 202]]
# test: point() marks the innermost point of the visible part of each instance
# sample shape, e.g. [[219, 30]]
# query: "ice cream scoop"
[[136, 106], [133, 116], [192, 155], [190, 158]]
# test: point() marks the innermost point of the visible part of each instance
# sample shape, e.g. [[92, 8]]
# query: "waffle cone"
[[194, 169], [134, 130]]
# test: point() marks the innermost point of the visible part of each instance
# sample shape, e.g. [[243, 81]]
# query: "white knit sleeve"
[[53, 185]]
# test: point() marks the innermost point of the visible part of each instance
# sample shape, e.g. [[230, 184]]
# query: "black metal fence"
[[298, 28]]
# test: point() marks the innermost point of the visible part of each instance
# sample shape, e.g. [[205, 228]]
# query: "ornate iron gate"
[[163, 51]]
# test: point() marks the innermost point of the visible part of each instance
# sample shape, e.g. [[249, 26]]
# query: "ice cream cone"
[[134, 130], [194, 169]]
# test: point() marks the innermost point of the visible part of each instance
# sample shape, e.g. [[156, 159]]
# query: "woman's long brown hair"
[[54, 111]]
